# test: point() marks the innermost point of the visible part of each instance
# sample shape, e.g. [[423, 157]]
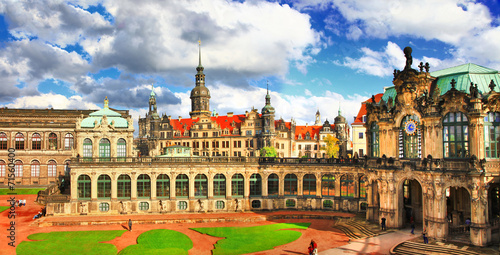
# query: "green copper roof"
[[464, 75], [390, 92], [112, 116]]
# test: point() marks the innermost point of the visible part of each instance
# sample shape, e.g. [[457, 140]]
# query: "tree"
[[332, 146], [268, 151]]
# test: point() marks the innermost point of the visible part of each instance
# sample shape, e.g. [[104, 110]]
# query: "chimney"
[[229, 114], [180, 118]]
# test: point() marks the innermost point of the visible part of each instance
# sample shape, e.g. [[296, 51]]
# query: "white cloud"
[[462, 24], [377, 63], [51, 100]]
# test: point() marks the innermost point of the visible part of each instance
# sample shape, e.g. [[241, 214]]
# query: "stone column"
[[172, 186], [229, 187], [133, 186], [114, 186], [210, 185], [318, 186], [265, 191], [300, 184], [153, 185], [93, 184], [281, 191], [246, 186], [480, 231], [74, 186]]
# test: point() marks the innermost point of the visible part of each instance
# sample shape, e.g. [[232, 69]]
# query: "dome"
[[326, 124], [267, 109], [200, 91], [340, 119]]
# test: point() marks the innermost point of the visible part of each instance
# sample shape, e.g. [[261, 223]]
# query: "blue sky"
[[315, 54]]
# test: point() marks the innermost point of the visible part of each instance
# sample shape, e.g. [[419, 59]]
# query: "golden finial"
[[106, 102]]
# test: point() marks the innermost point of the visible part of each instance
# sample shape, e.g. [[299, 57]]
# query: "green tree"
[[332, 146], [268, 151]]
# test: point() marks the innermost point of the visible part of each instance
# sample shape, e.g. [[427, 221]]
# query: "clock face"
[[411, 127]]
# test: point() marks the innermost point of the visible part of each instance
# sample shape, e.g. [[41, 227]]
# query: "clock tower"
[[200, 95]]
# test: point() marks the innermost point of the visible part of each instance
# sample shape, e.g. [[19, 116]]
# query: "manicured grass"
[[160, 241], [70, 242], [21, 191], [241, 240], [3, 208]]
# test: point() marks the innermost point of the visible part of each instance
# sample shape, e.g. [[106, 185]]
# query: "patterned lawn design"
[[160, 241], [241, 240], [70, 242], [21, 191], [3, 208]]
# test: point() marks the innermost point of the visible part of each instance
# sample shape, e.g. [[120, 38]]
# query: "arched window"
[[273, 184], [374, 141], [123, 187], [309, 185], [52, 168], [19, 141], [328, 185], [492, 135], [52, 141], [104, 149], [68, 141], [290, 185], [104, 186], [36, 142], [200, 185], [18, 168], [410, 137], [455, 135], [346, 186], [362, 187], [182, 186], [237, 185], [219, 185], [143, 186], [121, 148], [3, 141], [255, 185], [2, 168], [87, 148], [84, 186], [163, 186], [35, 168]]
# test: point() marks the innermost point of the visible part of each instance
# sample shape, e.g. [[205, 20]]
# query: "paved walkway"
[[380, 244]]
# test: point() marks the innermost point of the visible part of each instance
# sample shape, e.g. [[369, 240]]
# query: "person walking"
[[412, 223], [129, 225], [383, 223], [424, 233]]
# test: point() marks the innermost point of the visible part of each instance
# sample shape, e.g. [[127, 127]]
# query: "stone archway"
[[410, 203], [373, 199], [458, 210]]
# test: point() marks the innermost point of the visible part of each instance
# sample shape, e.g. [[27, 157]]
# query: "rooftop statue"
[[409, 59]]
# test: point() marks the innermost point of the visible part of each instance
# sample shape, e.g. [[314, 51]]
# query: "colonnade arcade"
[[166, 186]]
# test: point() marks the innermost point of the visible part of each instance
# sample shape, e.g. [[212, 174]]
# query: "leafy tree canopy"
[[268, 151]]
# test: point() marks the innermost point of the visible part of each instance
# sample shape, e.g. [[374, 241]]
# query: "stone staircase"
[[413, 248], [355, 229]]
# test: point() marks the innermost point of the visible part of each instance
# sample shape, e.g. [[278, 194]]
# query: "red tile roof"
[[362, 110], [313, 130]]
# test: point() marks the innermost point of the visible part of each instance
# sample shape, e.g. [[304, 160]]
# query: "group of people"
[[313, 248], [21, 202]]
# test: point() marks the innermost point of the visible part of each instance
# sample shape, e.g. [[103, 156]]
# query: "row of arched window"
[[36, 142], [104, 148], [455, 136], [237, 182], [34, 167]]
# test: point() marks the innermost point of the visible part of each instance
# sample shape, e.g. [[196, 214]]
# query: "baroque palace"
[[432, 153]]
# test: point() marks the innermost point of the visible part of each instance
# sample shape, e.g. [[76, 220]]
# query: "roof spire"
[[106, 103], [339, 109], [199, 52]]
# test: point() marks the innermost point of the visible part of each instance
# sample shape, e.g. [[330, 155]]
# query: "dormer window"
[[308, 136], [364, 118], [300, 137]]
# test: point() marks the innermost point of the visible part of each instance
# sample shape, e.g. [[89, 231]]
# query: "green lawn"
[[3, 208], [241, 240], [70, 242], [160, 241], [20, 191]]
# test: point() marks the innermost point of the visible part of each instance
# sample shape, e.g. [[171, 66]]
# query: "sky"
[[313, 55]]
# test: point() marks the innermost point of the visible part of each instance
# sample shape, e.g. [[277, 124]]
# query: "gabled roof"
[[313, 130], [464, 75], [362, 110], [223, 121]]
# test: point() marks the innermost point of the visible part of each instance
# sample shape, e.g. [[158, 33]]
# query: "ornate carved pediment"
[[491, 102], [454, 101]]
